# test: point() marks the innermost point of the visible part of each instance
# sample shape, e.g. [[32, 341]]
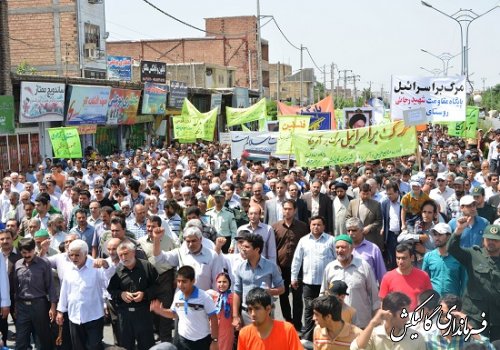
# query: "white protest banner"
[[414, 117], [258, 144], [443, 98]]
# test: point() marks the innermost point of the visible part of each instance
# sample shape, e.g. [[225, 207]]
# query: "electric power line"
[[283, 34], [313, 61], [197, 28]]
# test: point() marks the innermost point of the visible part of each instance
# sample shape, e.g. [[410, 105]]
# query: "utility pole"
[[324, 80], [484, 84], [259, 53], [370, 88], [345, 81], [250, 69], [332, 76], [301, 76], [382, 92], [355, 92], [278, 81]]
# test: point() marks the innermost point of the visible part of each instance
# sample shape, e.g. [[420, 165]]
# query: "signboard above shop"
[[153, 72]]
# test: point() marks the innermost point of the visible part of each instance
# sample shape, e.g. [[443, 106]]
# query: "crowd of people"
[[191, 247]]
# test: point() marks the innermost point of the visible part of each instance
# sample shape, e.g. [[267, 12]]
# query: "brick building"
[[64, 37], [229, 42], [288, 83]]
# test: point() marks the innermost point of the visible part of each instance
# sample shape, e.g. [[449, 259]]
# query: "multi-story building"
[[288, 83], [64, 37], [229, 42]]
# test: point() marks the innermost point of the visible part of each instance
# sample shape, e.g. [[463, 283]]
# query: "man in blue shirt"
[[473, 233], [256, 271], [447, 275]]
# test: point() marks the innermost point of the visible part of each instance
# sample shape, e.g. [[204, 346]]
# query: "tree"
[[491, 98]]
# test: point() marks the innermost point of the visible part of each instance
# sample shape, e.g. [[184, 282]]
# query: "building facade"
[[64, 37], [229, 42]]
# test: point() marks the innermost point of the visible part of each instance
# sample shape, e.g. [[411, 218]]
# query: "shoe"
[[307, 344]]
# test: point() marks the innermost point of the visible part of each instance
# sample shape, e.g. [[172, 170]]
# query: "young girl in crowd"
[[223, 297]]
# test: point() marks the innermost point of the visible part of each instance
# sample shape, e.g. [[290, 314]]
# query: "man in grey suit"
[[274, 206], [370, 213], [319, 204]]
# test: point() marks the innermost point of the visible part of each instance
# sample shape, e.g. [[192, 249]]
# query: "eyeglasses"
[[99, 191]]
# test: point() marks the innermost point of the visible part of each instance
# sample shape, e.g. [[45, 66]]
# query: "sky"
[[374, 39]]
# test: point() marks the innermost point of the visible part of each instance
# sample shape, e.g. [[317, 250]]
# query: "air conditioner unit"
[[95, 1], [92, 54]]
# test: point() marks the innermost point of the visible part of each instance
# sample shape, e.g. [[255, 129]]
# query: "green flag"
[[237, 116], [192, 124], [65, 142], [7, 115], [316, 149], [468, 128]]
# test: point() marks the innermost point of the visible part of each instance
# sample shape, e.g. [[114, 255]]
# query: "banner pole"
[[419, 155]]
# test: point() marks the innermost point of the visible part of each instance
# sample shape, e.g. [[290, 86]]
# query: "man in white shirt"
[[82, 293], [493, 153]]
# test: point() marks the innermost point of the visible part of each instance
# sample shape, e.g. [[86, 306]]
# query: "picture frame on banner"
[[358, 117]]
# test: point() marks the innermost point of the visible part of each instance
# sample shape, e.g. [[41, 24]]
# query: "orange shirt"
[[283, 336]]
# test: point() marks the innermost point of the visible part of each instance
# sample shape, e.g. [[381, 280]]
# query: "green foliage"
[[272, 109], [491, 98], [25, 68]]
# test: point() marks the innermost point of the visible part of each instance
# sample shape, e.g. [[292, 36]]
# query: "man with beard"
[[359, 277], [370, 213], [453, 203], [482, 295], [319, 204], [447, 275], [340, 205]]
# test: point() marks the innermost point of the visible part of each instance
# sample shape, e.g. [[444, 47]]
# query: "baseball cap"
[[478, 191], [467, 200], [344, 237], [338, 288], [492, 232], [441, 177], [452, 162], [442, 228]]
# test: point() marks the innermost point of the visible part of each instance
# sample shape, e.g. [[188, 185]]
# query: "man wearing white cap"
[[473, 233], [447, 275], [441, 193], [411, 204]]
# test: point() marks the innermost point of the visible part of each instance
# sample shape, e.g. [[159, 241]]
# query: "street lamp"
[[463, 18], [436, 71], [445, 58]]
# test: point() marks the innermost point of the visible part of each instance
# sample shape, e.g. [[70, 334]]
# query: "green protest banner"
[[289, 124], [192, 124], [7, 115], [237, 116], [315, 149], [65, 142], [468, 128]]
